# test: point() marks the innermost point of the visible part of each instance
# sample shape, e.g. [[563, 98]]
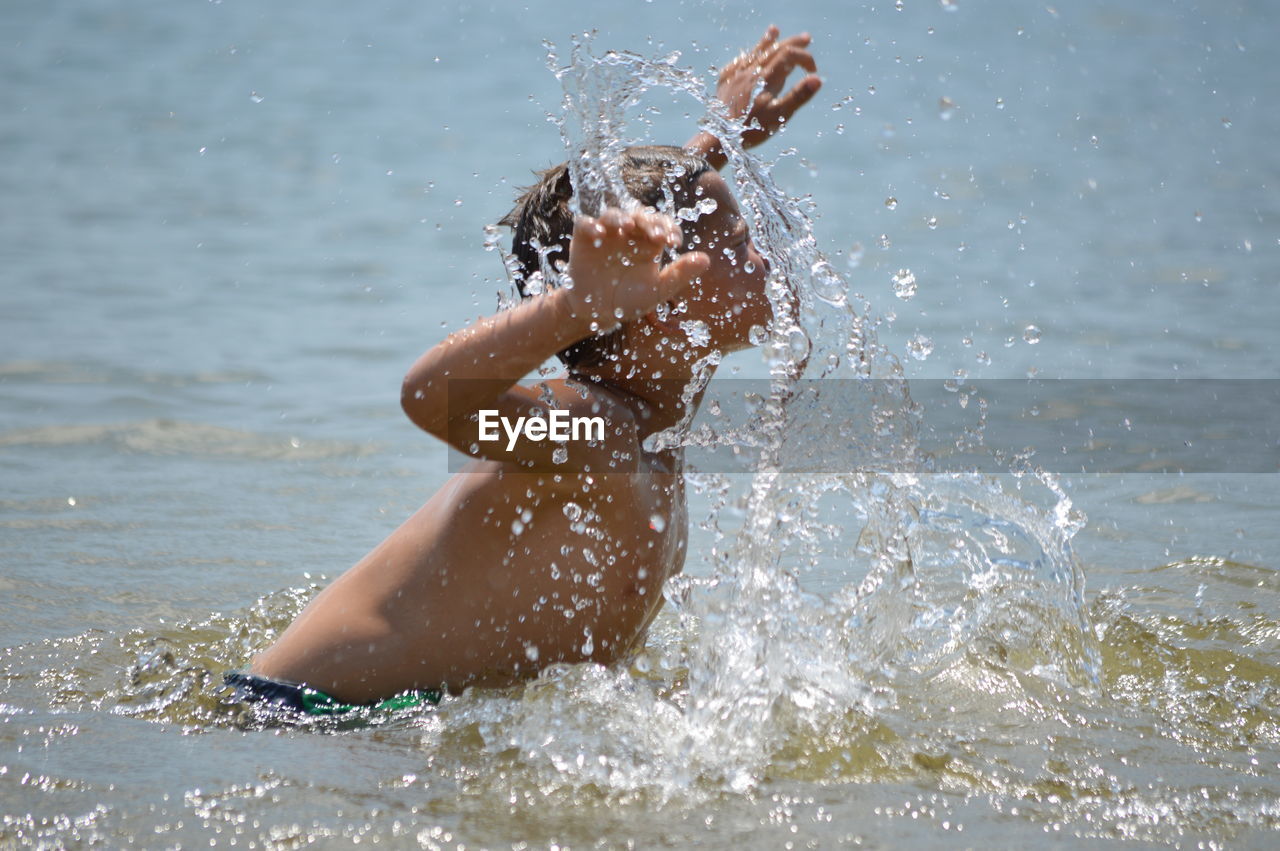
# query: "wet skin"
[[518, 561]]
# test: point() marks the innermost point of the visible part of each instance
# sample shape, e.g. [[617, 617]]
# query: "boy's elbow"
[[416, 404]]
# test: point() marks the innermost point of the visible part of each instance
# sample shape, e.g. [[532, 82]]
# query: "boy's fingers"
[[767, 40], [799, 95], [756, 55], [770, 35], [784, 63], [795, 42], [662, 229], [611, 219], [679, 274]]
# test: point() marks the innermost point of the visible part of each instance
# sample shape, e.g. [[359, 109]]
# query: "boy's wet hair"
[[660, 176]]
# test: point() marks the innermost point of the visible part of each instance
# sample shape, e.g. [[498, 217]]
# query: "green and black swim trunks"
[[309, 701]]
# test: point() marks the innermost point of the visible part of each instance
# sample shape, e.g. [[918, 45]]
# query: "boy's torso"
[[500, 574]]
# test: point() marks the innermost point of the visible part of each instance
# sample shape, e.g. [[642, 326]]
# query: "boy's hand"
[[614, 261], [771, 62]]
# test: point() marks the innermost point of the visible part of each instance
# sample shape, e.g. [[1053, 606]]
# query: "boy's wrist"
[[568, 318]]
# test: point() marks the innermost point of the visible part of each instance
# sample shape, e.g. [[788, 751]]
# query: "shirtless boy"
[[523, 559]]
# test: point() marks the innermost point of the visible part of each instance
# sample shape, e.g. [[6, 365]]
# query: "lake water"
[[231, 227]]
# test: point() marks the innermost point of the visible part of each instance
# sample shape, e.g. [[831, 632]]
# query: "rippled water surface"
[[231, 228]]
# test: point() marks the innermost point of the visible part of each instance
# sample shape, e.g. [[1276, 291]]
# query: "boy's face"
[[730, 296]]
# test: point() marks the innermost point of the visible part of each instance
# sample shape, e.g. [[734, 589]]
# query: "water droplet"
[[256, 98], [531, 651], [516, 527], [920, 346], [697, 331], [983, 358], [899, 5], [932, 222], [71, 500], [1199, 216], [854, 260], [946, 108], [757, 336], [891, 203], [573, 511], [589, 645], [559, 455], [966, 341], [904, 284], [798, 344], [657, 522], [827, 284], [704, 207], [1226, 122], [883, 241], [749, 267], [1031, 334], [950, 5], [999, 103], [492, 236]]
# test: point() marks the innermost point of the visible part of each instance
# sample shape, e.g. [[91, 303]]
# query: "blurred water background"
[[229, 228]]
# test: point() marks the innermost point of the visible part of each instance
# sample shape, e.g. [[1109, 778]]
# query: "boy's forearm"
[[501, 349]]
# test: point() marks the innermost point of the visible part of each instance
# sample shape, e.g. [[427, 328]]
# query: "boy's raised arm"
[[771, 62], [614, 266]]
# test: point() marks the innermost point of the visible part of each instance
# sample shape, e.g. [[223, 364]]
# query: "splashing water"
[[943, 568]]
